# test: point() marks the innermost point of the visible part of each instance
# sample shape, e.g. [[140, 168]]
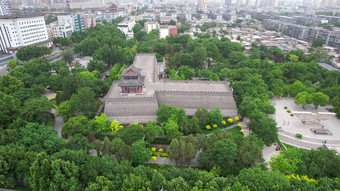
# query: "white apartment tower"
[[6, 8], [21, 31]]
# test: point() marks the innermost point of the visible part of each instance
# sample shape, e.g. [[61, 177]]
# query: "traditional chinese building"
[[143, 88], [131, 81]]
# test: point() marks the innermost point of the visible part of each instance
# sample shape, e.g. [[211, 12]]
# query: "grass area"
[[235, 131], [293, 147], [162, 154], [207, 131], [281, 145], [101, 137], [289, 146]]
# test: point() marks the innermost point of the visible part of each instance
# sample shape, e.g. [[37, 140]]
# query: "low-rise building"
[[126, 27], [164, 31], [64, 31], [149, 26]]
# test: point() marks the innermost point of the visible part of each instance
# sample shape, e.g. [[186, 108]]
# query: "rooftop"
[[21, 16]]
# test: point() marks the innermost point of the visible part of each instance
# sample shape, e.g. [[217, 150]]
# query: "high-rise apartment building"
[[21, 31], [6, 8], [77, 21], [202, 4]]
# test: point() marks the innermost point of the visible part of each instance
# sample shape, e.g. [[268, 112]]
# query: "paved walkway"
[[59, 122], [269, 151]]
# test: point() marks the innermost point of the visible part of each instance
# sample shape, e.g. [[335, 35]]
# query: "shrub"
[[289, 111], [285, 107], [223, 123], [208, 127], [291, 114], [299, 135], [214, 126]]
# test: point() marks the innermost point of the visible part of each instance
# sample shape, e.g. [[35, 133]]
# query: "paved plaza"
[[305, 122]]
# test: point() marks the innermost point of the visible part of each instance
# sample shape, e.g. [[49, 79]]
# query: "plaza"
[[318, 127]]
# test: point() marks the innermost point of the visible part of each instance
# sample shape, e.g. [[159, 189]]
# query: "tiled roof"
[[135, 71]]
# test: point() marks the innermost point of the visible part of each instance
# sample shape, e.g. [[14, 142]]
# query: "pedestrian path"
[[59, 122]]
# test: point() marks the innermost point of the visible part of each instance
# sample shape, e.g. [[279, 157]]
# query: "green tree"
[[103, 124], [96, 65], [84, 101], [121, 149], [203, 116], [9, 84], [131, 134], [215, 116], [12, 64], [256, 179], [48, 173], [320, 99], [139, 153], [177, 184], [198, 57], [39, 138], [65, 110], [174, 150], [151, 130], [303, 98], [224, 152], [296, 88], [79, 124], [67, 56], [264, 127], [9, 109], [37, 110], [249, 151], [185, 59], [157, 182], [318, 42], [171, 130], [190, 152], [101, 184], [335, 101], [134, 182]]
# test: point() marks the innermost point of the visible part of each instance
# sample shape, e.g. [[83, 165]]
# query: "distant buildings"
[[309, 34], [64, 31], [152, 25], [24, 30], [202, 4], [6, 8], [126, 28]]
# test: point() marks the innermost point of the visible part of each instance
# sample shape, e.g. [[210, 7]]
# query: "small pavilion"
[[131, 81]]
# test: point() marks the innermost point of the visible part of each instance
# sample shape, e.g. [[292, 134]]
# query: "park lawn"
[[235, 131], [207, 131], [292, 147]]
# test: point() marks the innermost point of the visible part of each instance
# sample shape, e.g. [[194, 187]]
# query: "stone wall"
[[131, 106], [193, 100]]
